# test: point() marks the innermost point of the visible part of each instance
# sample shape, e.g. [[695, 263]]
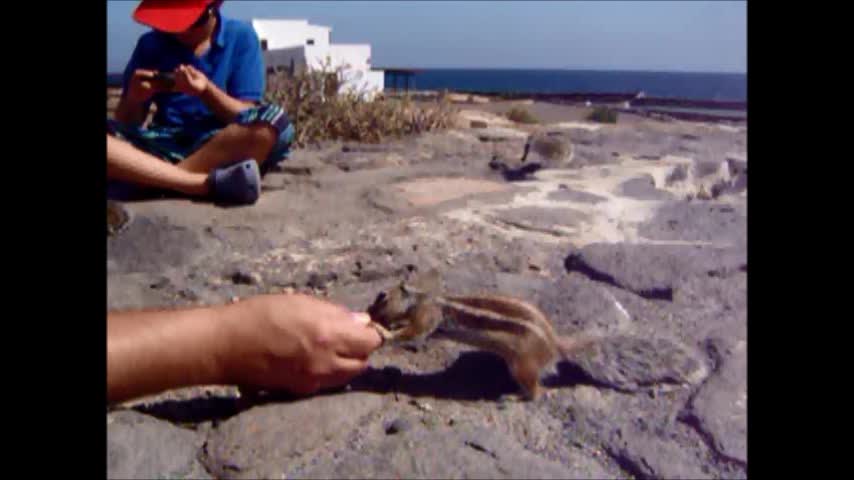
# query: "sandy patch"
[[615, 219], [479, 115], [432, 191], [576, 125]]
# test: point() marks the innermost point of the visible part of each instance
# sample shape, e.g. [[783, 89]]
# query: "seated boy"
[[213, 131]]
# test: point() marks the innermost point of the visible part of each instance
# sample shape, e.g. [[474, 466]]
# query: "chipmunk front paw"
[[392, 336], [385, 334]]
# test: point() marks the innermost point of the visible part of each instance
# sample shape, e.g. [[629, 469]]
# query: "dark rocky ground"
[[639, 235]]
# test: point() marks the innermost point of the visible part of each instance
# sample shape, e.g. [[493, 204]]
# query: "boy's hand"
[[141, 86], [190, 81]]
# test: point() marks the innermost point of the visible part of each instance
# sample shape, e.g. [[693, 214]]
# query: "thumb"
[[359, 339], [361, 317]]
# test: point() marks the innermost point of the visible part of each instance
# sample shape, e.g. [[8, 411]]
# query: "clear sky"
[[597, 35]]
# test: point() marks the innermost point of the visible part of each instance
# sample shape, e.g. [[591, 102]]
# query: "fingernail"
[[362, 318]]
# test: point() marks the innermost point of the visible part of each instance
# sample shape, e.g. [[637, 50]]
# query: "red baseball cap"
[[173, 16]]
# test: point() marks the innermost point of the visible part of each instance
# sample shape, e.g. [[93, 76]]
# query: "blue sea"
[[695, 86]]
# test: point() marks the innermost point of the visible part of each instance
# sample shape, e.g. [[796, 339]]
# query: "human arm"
[[191, 81], [137, 85], [245, 85], [133, 105], [290, 342]]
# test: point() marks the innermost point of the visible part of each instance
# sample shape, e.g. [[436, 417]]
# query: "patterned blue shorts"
[[175, 144]]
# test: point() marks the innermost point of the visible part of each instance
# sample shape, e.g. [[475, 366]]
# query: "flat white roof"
[[299, 20], [287, 20]]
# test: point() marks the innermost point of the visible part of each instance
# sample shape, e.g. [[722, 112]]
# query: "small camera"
[[167, 79]]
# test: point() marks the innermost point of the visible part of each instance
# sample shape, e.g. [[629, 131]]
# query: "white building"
[[294, 44]]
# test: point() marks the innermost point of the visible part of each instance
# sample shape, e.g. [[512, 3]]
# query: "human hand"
[[141, 86], [190, 81], [296, 343]]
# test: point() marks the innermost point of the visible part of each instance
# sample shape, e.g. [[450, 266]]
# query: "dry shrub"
[[603, 115], [521, 115], [319, 114]]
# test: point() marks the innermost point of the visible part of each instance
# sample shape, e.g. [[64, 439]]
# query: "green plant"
[[319, 111], [521, 115], [603, 115]]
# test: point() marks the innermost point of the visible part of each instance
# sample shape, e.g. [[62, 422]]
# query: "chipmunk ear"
[[379, 302]]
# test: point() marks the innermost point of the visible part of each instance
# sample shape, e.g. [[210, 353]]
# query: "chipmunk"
[[513, 329]]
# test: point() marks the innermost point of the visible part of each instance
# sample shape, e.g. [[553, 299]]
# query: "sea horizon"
[[704, 86], [556, 69], [598, 70]]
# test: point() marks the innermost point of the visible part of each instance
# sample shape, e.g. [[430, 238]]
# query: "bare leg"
[[235, 142], [128, 163]]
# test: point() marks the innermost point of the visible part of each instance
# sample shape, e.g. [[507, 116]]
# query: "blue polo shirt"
[[234, 62]]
